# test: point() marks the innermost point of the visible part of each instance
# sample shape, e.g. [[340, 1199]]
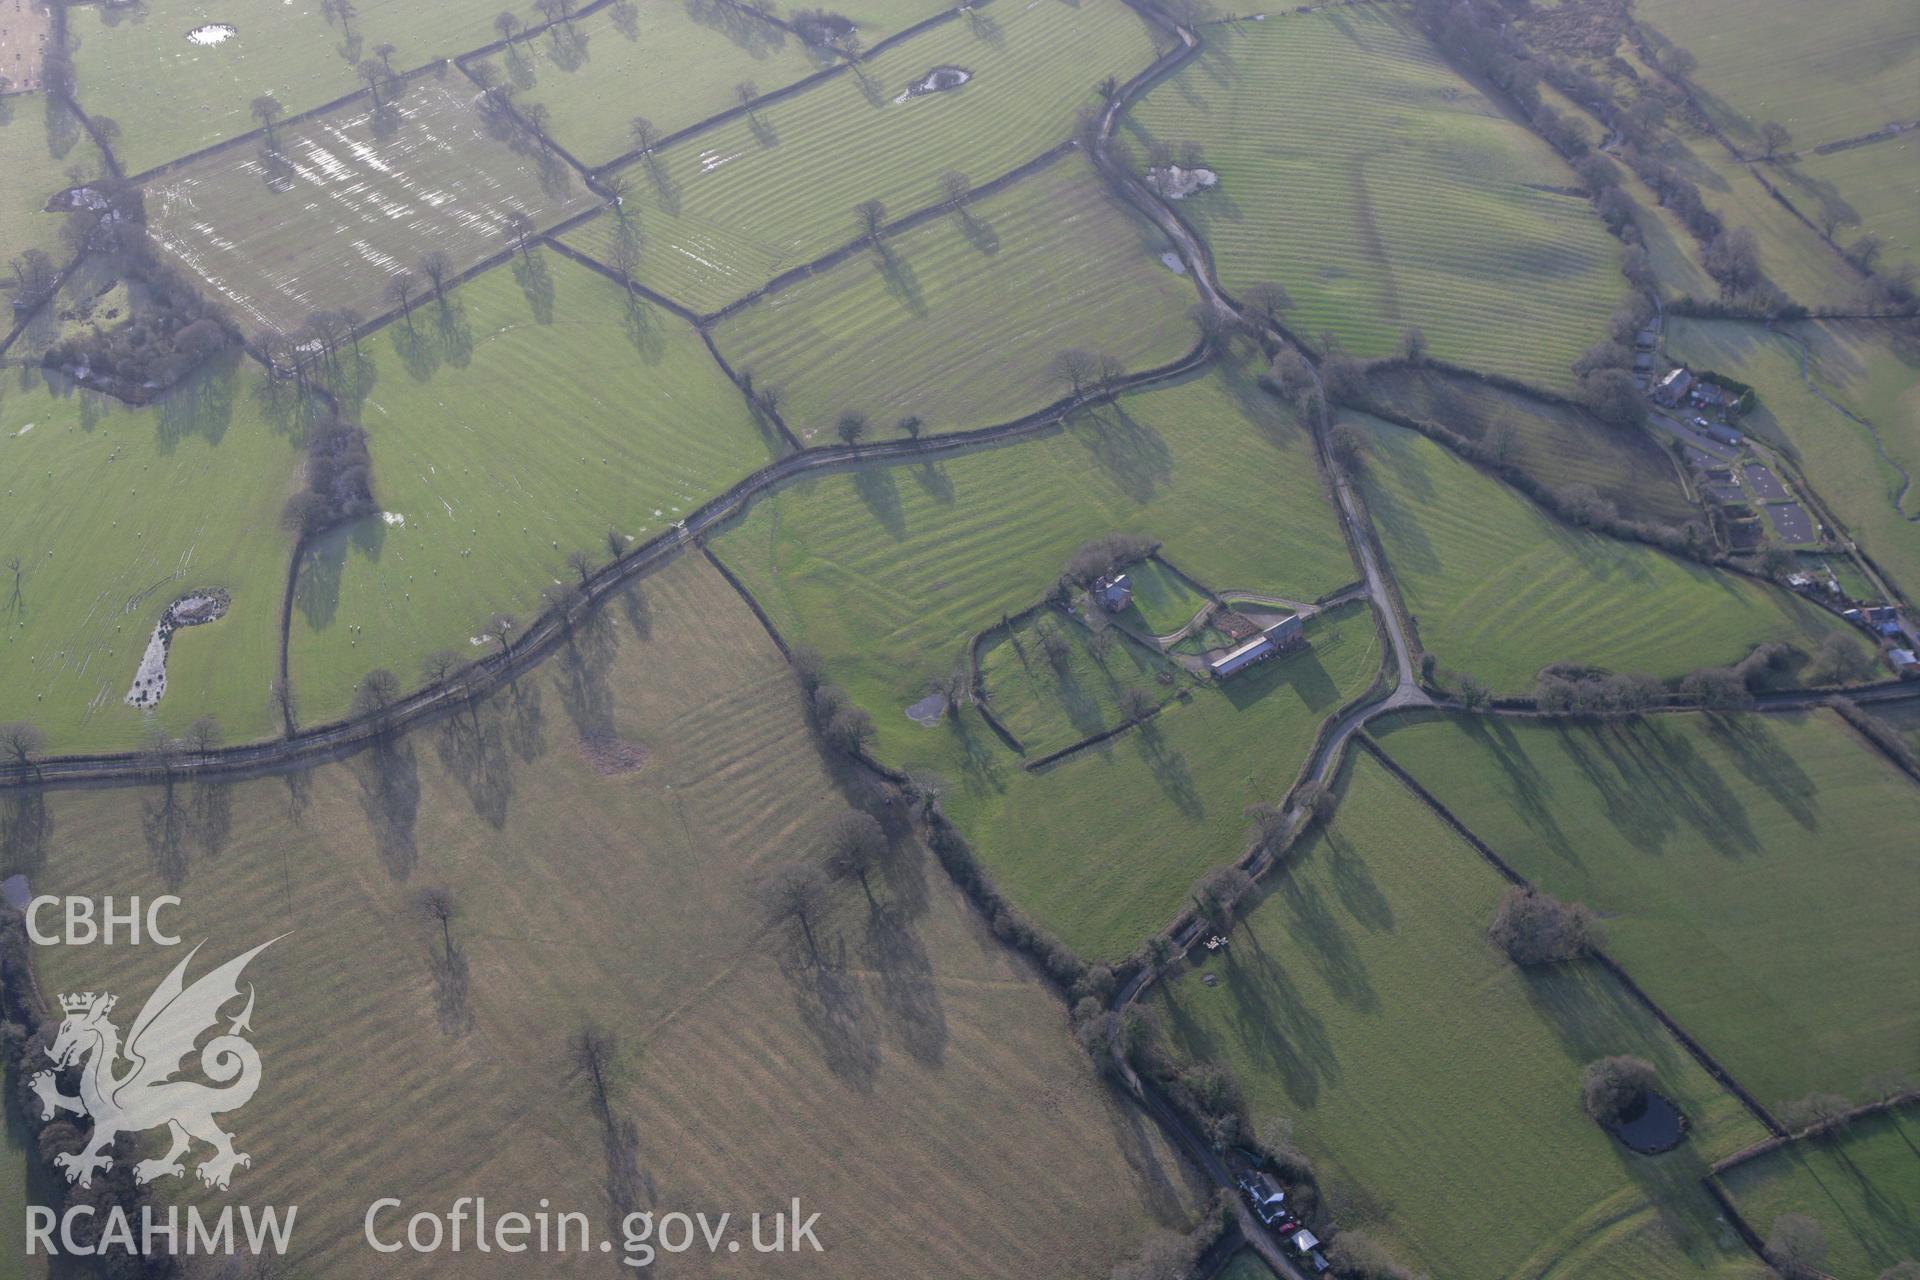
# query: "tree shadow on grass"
[[1132, 453], [536, 284], [452, 991], [834, 1010], [472, 749], [26, 832], [908, 993], [881, 492], [1169, 767], [389, 777], [581, 672], [903, 282]]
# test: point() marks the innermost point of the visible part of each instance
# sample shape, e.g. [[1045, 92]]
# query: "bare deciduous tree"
[[507, 23], [438, 667], [954, 186], [376, 693], [851, 426], [22, 741], [267, 110], [435, 904], [795, 893], [871, 215], [593, 1054], [582, 564], [855, 846], [1796, 1246], [436, 266], [643, 133]]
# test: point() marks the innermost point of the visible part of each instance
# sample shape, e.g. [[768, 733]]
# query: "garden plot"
[[339, 204], [536, 411], [1384, 193], [115, 514], [1435, 1085], [1752, 872], [1500, 589], [674, 63], [727, 210], [1053, 262], [169, 95], [926, 1075]]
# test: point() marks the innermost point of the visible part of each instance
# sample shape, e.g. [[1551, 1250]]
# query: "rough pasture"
[[339, 204], [39, 142], [1872, 187]]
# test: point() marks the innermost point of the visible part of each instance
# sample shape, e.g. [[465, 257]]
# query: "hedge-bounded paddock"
[[116, 512], [725, 211], [1052, 262], [1500, 589], [1749, 870], [516, 426], [1433, 1083], [1384, 193]]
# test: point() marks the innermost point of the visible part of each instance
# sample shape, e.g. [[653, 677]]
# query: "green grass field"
[[1103, 847], [921, 1073], [1500, 589], [1435, 1085], [890, 571], [724, 212], [39, 143], [1053, 262], [1163, 602], [1874, 184], [1791, 253], [875, 20], [1751, 872], [1852, 70], [1558, 444], [1385, 193], [1863, 1188], [360, 204], [115, 513], [674, 64], [135, 66], [1905, 717], [1049, 705], [14, 1262], [1858, 366], [519, 427]]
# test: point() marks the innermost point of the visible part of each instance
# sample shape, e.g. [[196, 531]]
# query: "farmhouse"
[[1673, 388], [1288, 633], [1115, 592]]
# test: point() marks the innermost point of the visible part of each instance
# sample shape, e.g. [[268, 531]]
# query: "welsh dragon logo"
[[143, 1094]]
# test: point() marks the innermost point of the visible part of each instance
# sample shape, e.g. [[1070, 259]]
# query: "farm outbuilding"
[[1288, 633], [1673, 388]]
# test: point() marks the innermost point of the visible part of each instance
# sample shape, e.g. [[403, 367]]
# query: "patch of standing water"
[[190, 610], [1657, 1126], [1171, 261], [212, 33], [938, 80], [928, 710]]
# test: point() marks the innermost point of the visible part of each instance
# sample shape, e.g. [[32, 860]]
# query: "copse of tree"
[[339, 479], [1218, 896], [1535, 928], [1796, 1247], [1560, 691], [1097, 557], [1348, 445], [842, 725], [1714, 688], [1613, 1088]]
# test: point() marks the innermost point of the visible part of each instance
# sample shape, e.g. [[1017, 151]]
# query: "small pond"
[[212, 33], [928, 710], [1657, 1126], [938, 80]]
